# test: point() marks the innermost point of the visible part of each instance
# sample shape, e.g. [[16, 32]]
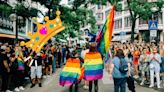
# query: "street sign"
[[153, 25], [122, 35], [153, 33]]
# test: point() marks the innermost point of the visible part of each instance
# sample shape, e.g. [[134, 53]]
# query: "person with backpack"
[[120, 69]]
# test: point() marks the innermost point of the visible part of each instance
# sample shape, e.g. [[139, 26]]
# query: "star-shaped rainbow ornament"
[[44, 32]]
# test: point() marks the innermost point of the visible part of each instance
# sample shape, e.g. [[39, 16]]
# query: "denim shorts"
[[36, 72]]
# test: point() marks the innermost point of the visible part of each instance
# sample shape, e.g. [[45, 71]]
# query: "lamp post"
[[14, 18]]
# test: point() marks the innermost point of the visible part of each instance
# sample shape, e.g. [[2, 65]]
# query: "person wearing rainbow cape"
[[71, 73], [93, 67]]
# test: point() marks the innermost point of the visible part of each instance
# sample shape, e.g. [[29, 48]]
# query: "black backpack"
[[123, 68]]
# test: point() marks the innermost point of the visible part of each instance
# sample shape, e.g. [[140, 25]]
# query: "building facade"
[[123, 23], [8, 23]]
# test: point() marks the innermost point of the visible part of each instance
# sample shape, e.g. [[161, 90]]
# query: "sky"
[[64, 2]]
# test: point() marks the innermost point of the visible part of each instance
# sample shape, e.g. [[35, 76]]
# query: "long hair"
[[93, 47], [120, 53]]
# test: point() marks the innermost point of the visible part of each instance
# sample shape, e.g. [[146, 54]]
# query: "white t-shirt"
[[83, 53]]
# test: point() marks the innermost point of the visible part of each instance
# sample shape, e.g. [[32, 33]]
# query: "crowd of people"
[[127, 63], [143, 60], [18, 63]]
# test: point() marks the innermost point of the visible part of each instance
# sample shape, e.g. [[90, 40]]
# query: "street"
[[105, 85]]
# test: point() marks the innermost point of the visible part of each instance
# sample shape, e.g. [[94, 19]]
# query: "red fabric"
[[44, 56], [136, 57]]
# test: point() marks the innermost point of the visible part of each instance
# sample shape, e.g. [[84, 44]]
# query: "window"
[[106, 14], [158, 17], [141, 21], [99, 27], [99, 16], [118, 24], [128, 22], [99, 6]]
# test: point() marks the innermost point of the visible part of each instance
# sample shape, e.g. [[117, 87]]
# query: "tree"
[[142, 9], [49, 4]]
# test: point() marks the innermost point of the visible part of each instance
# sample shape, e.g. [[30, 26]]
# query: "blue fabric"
[[62, 78], [162, 64], [116, 72], [93, 72], [93, 37], [54, 64]]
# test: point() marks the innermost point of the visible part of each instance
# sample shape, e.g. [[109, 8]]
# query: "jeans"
[[4, 77], [54, 65], [95, 85], [120, 84], [18, 78]]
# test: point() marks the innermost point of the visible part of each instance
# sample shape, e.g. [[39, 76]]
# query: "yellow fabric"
[[73, 70]]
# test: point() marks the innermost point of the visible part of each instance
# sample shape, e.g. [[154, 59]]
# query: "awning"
[[126, 38], [10, 36], [116, 38]]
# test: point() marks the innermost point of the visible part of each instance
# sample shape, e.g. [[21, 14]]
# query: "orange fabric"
[[136, 57], [91, 56], [72, 64], [82, 74]]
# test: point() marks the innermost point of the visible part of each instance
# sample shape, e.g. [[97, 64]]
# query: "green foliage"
[[5, 9]]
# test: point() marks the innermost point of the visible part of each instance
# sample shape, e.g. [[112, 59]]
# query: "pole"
[[16, 34]]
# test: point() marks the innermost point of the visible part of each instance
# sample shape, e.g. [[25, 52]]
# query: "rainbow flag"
[[20, 64], [71, 72], [93, 66], [104, 36]]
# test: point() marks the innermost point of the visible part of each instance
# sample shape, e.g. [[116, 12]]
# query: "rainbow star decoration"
[[44, 32]]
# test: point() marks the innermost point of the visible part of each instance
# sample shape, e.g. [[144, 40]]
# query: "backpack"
[[123, 68]]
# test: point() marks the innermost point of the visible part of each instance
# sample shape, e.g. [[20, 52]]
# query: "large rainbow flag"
[[71, 72], [93, 66], [104, 36]]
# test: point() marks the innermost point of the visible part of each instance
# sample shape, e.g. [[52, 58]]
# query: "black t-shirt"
[[39, 61], [3, 58]]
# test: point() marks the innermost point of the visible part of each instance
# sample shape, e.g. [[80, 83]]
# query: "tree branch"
[[131, 13]]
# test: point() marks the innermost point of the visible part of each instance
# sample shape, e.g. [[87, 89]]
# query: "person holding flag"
[[93, 67]]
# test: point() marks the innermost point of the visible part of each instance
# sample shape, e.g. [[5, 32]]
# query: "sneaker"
[[142, 83], [158, 87], [44, 76], [32, 85], [40, 85], [16, 89], [8, 91], [136, 77], [151, 86], [85, 87], [48, 76], [21, 88]]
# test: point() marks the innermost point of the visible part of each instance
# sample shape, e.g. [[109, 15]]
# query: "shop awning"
[[116, 38], [10, 36], [126, 38]]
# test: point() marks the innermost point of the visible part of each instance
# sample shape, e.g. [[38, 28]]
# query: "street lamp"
[[13, 17]]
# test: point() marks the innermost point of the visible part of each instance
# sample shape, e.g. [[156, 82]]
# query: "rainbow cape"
[[93, 66], [71, 72], [104, 36], [20, 64]]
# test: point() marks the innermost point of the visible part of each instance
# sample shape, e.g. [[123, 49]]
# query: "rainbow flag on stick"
[[104, 36]]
